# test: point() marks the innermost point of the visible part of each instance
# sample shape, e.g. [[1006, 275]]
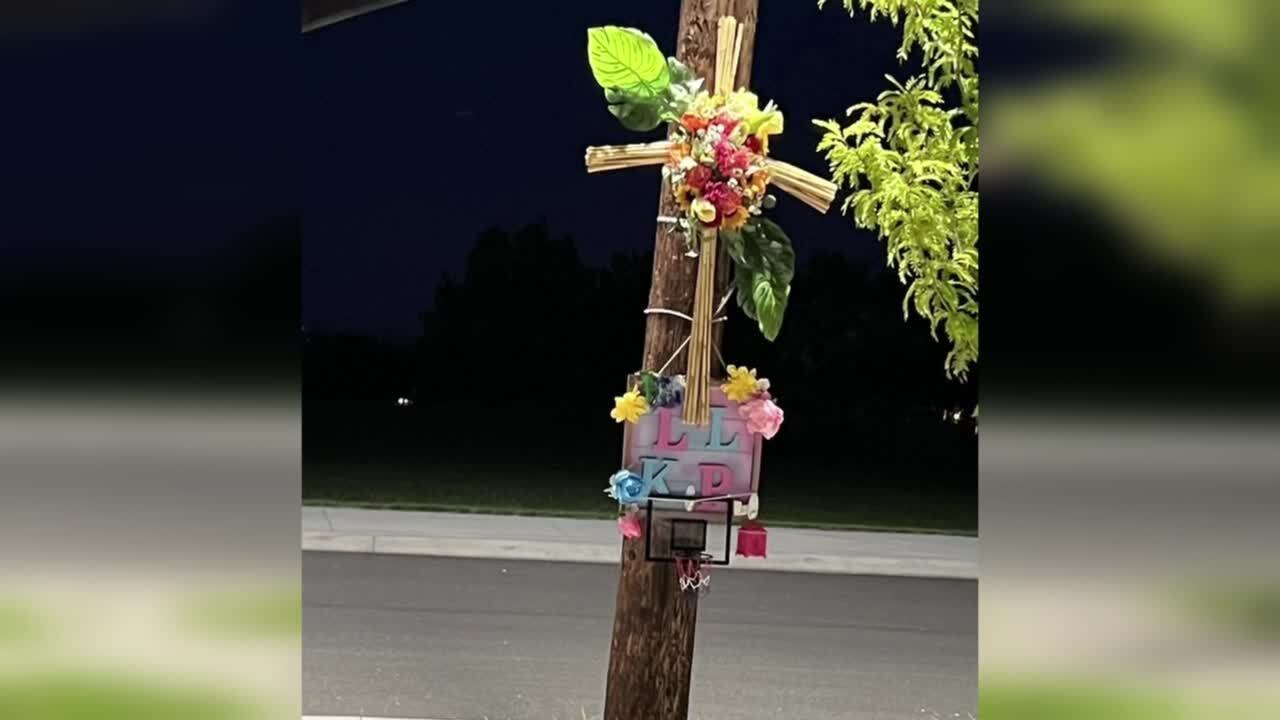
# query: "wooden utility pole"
[[651, 657]]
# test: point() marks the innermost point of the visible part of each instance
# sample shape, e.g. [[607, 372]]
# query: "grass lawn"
[[791, 495], [1249, 610], [261, 614], [93, 697], [1017, 698], [20, 625]]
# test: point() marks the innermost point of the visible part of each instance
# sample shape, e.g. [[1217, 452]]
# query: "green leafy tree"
[[1173, 140], [910, 160]]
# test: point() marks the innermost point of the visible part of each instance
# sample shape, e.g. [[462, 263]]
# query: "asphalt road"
[[423, 637]]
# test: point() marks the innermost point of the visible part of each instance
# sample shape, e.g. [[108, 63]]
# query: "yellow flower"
[[705, 104], [743, 103], [685, 195], [736, 220], [629, 407], [704, 211], [742, 384], [763, 123]]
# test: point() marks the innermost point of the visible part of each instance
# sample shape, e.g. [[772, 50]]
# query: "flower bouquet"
[[716, 158]]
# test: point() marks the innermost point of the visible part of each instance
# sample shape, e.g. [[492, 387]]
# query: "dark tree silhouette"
[[527, 329]]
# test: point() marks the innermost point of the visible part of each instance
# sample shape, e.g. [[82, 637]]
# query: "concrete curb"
[[609, 554]]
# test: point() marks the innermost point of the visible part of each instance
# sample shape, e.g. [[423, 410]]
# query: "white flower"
[[703, 210]]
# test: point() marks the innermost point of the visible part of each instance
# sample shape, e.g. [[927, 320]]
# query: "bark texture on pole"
[[651, 656]]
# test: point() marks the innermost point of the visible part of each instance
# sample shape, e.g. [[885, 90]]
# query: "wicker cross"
[[815, 191]]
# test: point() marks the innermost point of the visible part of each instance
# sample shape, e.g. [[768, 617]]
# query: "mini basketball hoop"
[[694, 572], [691, 538]]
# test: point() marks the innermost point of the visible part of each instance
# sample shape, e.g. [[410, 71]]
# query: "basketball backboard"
[[674, 530]]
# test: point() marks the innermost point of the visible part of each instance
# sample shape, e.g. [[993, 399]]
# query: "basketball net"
[[694, 573]]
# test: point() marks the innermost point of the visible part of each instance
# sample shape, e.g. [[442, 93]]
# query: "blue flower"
[[628, 488], [670, 392]]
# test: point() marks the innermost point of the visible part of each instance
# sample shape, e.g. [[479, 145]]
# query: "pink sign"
[[722, 458]]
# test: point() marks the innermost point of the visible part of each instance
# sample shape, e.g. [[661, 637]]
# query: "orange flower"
[[736, 220], [759, 182], [679, 151], [693, 123], [685, 195]]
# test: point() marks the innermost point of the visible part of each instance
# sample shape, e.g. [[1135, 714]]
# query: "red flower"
[[726, 122], [753, 144], [698, 177], [726, 199], [693, 123]]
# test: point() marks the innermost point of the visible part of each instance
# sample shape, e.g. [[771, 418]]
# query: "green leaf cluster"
[[911, 161], [766, 264], [649, 386], [643, 88]]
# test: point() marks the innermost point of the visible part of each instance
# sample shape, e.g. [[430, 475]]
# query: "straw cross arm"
[[815, 191], [617, 157]]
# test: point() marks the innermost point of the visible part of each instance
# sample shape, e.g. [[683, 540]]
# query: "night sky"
[[429, 122], [149, 145]]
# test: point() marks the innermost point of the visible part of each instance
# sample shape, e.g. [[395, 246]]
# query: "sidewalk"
[[395, 532]]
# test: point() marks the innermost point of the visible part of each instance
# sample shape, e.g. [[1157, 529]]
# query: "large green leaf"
[[639, 114], [765, 264], [776, 248], [771, 304], [744, 280], [732, 242], [680, 73], [684, 87], [628, 60]]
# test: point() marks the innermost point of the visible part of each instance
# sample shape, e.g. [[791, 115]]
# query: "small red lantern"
[[753, 540]]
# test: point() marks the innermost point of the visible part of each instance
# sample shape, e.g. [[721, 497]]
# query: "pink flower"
[[726, 199], [730, 157], [629, 526], [762, 416]]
